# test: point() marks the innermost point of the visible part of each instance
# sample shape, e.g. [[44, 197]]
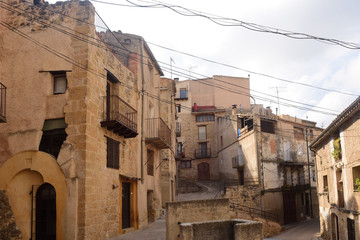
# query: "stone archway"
[[19, 175]]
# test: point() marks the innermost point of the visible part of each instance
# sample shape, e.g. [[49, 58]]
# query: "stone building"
[[199, 103], [338, 172], [270, 152], [87, 139]]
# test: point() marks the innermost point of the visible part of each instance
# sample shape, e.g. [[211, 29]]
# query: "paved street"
[[154, 231], [300, 231]]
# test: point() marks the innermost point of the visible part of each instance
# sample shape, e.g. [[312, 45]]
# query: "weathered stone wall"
[[8, 228], [236, 229], [341, 176], [193, 211], [245, 195]]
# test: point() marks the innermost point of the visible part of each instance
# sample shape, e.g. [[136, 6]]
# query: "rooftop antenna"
[[277, 96], [171, 61]]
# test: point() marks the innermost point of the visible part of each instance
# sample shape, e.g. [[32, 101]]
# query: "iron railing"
[[2, 103], [116, 109], [203, 153], [254, 212], [156, 129]]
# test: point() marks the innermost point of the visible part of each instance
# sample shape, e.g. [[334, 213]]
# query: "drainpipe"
[[308, 160], [258, 156], [142, 109]]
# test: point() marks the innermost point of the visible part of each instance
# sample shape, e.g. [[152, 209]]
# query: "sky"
[[306, 61]]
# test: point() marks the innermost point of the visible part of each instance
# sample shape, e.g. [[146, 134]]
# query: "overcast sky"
[[304, 61]]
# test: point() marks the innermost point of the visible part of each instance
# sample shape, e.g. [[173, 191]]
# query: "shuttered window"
[[112, 153]]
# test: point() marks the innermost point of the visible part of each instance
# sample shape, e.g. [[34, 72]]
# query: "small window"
[[325, 183], [221, 141], [267, 126], [179, 150], [178, 108], [183, 93], [53, 136], [205, 118], [112, 153], [186, 164], [60, 83], [202, 133], [150, 163], [356, 178]]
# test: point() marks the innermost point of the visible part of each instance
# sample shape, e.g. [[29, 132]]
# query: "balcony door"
[[108, 104]]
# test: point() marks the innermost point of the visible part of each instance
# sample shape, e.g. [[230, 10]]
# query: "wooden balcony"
[[119, 117], [158, 133], [203, 153], [2, 103]]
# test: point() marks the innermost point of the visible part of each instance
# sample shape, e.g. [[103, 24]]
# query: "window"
[[112, 153], [179, 150], [356, 178], [53, 136], [311, 133], [150, 162], [205, 118], [299, 133], [221, 141], [325, 183], [243, 122], [183, 93], [202, 133], [60, 83], [178, 108], [186, 164], [267, 126]]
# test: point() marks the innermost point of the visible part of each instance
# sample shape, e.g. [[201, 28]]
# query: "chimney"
[[233, 111], [268, 111]]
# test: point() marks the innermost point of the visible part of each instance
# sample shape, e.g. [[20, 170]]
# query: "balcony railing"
[[181, 94], [2, 103], [158, 133], [178, 129], [119, 117], [203, 153]]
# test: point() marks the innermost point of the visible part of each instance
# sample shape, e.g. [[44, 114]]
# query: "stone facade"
[[8, 228], [269, 151], [96, 165], [199, 104], [338, 174]]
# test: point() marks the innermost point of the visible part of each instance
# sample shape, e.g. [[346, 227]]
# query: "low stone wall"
[[217, 230], [8, 229], [187, 186], [193, 211]]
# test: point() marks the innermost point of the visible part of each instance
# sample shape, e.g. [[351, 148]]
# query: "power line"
[[232, 22], [116, 52]]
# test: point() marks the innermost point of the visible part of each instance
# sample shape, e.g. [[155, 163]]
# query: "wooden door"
[[203, 172], [125, 205], [289, 204]]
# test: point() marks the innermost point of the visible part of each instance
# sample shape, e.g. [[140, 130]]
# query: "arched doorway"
[[46, 212], [334, 226], [204, 172]]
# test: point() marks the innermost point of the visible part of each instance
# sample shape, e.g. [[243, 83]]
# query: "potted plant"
[[336, 153], [326, 189], [357, 184]]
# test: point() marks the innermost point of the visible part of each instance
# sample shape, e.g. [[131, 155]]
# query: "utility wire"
[[104, 47], [232, 22]]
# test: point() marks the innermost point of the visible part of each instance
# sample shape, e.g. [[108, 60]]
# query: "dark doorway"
[[203, 172], [351, 229], [125, 205], [52, 141], [241, 176], [150, 207], [307, 204], [334, 226], [289, 202], [46, 212]]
